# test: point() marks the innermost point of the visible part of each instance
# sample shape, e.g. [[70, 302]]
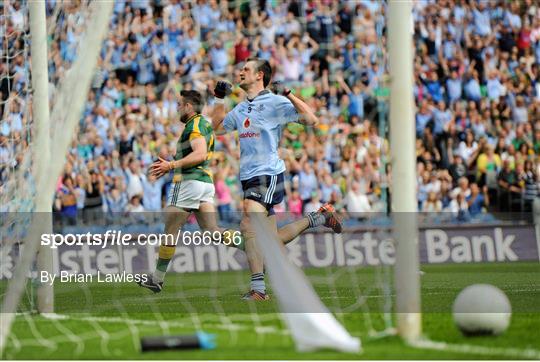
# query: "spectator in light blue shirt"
[[476, 200], [441, 117], [109, 96], [214, 14], [159, 49], [478, 127], [119, 6], [422, 118], [172, 12], [141, 5], [455, 30], [434, 87], [102, 122], [146, 68], [191, 43], [448, 47], [356, 98], [219, 58], [143, 38], [15, 119], [332, 154], [496, 13], [98, 147], [459, 13], [472, 88], [109, 143], [494, 86], [329, 186], [512, 20], [118, 49], [307, 182], [454, 87], [152, 193], [67, 51], [225, 25], [116, 201], [173, 36], [203, 15], [481, 19], [350, 56], [265, 52], [356, 105]]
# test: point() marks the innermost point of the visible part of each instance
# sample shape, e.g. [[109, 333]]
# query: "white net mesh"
[[15, 107], [16, 134]]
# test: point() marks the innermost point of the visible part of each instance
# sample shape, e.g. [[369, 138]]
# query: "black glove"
[[222, 89], [279, 88]]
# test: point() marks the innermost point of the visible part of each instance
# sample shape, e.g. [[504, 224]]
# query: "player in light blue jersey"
[[260, 120]]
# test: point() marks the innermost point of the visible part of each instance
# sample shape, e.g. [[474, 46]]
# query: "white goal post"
[[402, 141], [42, 144], [68, 106]]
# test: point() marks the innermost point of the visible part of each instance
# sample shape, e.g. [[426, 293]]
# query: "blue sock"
[[257, 282]]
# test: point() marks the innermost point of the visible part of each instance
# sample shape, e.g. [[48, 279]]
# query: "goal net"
[[328, 291]]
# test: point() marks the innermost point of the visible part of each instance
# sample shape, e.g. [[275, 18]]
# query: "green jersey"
[[197, 126]]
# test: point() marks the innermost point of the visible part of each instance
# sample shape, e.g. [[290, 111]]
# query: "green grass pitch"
[[105, 321]]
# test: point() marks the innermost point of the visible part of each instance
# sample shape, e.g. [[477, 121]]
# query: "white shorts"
[[188, 194]]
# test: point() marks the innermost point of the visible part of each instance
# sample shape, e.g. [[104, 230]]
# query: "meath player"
[[259, 121], [192, 189]]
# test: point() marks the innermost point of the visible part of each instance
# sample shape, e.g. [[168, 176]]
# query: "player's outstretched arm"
[[307, 116], [217, 115], [219, 111]]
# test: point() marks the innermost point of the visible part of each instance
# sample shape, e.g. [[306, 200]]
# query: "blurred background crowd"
[[477, 92]]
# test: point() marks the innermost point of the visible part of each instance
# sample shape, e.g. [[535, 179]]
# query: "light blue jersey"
[[260, 124]]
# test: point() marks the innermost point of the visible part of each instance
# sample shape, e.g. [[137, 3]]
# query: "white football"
[[482, 309]]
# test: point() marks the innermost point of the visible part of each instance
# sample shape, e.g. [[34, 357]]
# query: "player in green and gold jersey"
[[192, 189]]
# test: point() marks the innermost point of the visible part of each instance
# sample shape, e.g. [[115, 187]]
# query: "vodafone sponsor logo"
[[247, 123], [249, 135]]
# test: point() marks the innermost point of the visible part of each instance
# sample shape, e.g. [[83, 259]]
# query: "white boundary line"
[[178, 323], [479, 350]]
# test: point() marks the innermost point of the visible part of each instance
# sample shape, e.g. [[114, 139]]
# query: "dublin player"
[[259, 121]]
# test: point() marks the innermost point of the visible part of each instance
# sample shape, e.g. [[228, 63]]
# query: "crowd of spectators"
[[476, 88]]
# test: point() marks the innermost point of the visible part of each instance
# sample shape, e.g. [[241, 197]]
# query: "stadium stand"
[[477, 90]]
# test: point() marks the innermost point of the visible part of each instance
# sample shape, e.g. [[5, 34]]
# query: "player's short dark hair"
[[194, 98], [262, 65]]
